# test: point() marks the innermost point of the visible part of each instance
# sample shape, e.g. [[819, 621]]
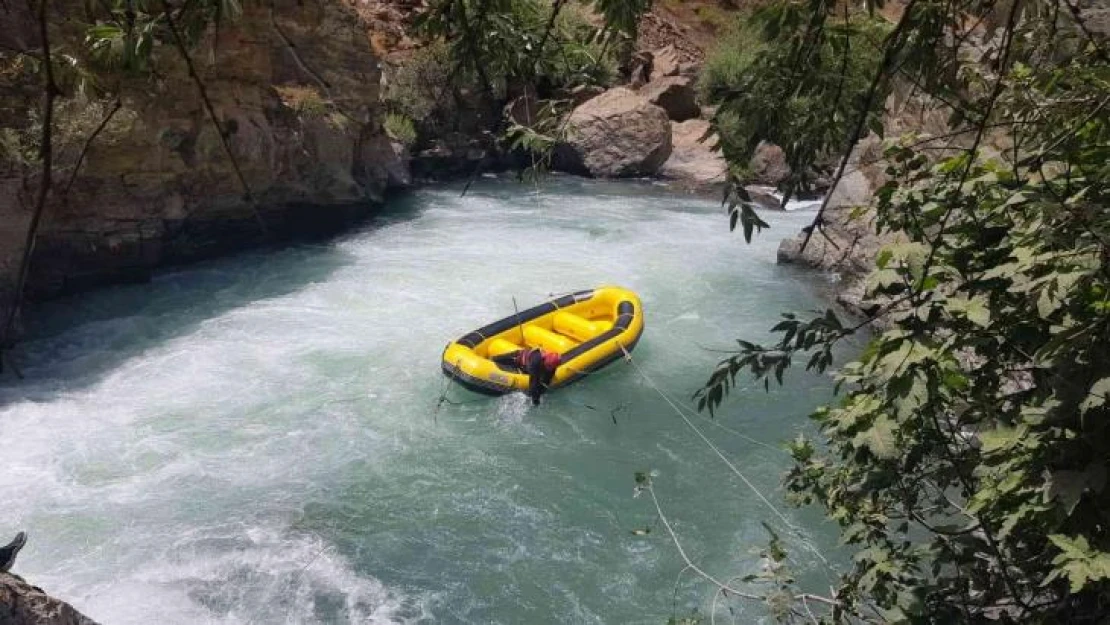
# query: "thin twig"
[[722, 456], [996, 91], [88, 143], [538, 55], [292, 47], [685, 558]]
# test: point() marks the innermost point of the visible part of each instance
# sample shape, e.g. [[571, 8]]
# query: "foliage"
[[304, 100], [967, 459], [422, 87], [755, 75], [529, 42], [539, 139], [76, 119], [730, 59], [126, 33], [400, 128]]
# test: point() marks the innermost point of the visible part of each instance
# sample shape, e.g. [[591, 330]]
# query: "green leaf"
[[879, 438], [1001, 438], [883, 258], [978, 312], [1096, 396]]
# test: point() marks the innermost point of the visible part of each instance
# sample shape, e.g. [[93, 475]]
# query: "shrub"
[[730, 59], [420, 87], [304, 100], [400, 128]]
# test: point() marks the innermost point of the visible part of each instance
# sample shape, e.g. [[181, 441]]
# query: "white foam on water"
[[255, 576], [254, 440]]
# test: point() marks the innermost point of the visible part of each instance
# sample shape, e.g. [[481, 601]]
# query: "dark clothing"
[[530, 361], [539, 376]]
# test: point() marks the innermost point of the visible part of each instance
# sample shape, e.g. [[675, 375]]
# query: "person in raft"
[[539, 364]]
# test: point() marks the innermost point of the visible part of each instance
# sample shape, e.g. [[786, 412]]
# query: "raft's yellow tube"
[[589, 329]]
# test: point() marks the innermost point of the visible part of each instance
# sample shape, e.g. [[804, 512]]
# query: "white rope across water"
[[721, 455]]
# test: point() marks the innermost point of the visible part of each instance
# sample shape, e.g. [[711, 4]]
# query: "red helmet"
[[551, 360]]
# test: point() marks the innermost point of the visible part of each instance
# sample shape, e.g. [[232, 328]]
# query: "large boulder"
[[584, 93], [617, 134], [768, 164], [674, 94], [694, 164]]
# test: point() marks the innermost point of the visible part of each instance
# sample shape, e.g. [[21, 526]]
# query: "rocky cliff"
[[296, 89]]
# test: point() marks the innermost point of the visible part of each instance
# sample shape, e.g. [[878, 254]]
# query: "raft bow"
[[588, 329]]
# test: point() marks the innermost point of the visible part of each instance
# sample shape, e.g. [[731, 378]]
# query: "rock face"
[[694, 164], [675, 95], [24, 604], [768, 164], [296, 93], [849, 244], [665, 62], [617, 134]]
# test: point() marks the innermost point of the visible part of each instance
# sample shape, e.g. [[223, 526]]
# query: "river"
[[255, 439]]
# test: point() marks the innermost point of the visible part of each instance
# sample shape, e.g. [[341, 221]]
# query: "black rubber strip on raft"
[[573, 298], [472, 339], [499, 326], [581, 373]]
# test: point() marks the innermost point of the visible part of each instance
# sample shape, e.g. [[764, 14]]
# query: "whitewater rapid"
[[255, 440]]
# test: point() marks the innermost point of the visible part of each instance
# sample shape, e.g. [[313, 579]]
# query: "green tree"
[[966, 459]]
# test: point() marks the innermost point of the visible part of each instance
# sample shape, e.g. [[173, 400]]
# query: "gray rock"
[[768, 164], [639, 69], [665, 62], [674, 94], [689, 69], [9, 551], [24, 604], [157, 187], [847, 244], [584, 93], [693, 163], [617, 134], [386, 164]]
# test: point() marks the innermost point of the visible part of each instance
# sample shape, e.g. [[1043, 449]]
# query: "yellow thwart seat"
[[536, 336], [578, 328]]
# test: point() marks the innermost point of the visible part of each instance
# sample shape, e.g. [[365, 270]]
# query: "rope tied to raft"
[[721, 455], [443, 393]]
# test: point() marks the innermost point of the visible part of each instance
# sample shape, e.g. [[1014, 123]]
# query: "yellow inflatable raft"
[[587, 328]]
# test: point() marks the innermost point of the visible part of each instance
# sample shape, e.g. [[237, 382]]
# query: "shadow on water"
[[73, 342]]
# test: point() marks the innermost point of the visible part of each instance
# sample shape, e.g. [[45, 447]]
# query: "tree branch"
[[46, 153], [686, 559], [88, 142]]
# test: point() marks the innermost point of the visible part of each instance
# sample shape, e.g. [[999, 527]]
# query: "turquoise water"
[[255, 440]]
